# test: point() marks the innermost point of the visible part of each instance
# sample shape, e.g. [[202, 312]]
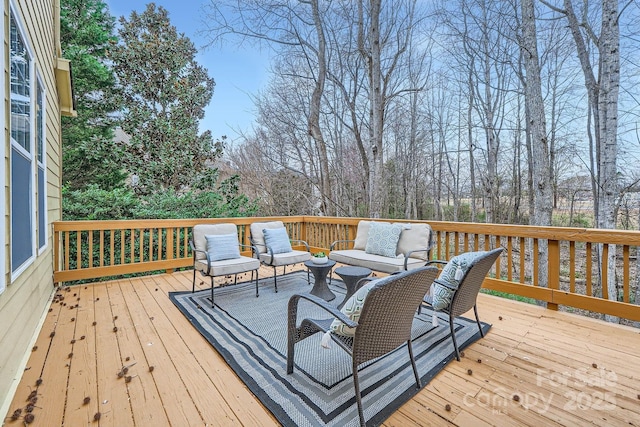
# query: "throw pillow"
[[352, 309], [222, 246], [447, 283], [277, 240], [383, 239]]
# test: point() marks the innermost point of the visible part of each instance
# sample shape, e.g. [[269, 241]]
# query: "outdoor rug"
[[251, 334]]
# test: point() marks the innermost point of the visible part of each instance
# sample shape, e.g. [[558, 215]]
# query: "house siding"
[[26, 299]]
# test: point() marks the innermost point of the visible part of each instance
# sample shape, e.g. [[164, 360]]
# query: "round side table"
[[320, 271], [350, 276]]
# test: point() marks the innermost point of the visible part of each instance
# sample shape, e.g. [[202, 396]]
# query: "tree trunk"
[[536, 127], [603, 101], [327, 206]]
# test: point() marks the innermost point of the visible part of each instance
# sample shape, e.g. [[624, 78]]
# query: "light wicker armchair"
[[464, 298], [384, 324]]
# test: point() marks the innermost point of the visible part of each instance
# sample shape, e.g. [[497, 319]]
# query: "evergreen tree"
[[89, 154], [164, 93]]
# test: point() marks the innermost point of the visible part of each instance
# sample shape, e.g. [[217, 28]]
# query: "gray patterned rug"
[[251, 334]]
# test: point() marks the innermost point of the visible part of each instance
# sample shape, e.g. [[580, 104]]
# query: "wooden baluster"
[[572, 267], [626, 277], [553, 263]]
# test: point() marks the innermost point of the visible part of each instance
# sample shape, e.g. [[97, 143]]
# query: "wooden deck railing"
[[93, 249]]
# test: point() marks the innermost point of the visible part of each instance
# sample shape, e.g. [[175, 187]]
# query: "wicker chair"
[[464, 298], [384, 323]]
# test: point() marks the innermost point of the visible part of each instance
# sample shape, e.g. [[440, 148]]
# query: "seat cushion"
[[374, 262], [257, 236], [383, 239], [277, 240], [201, 230], [228, 266], [293, 257], [222, 246]]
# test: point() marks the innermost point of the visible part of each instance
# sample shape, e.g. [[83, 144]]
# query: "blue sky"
[[238, 73]]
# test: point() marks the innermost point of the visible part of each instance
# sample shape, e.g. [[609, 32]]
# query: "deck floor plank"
[[113, 396], [36, 364], [176, 340], [226, 388], [56, 370], [192, 385], [84, 382], [176, 398], [142, 388]]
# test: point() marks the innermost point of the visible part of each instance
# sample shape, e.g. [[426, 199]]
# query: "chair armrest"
[[408, 255], [293, 309], [254, 250], [437, 261], [206, 254], [339, 241], [360, 283], [302, 242]]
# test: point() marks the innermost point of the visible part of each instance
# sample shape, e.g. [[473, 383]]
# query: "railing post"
[[553, 279], [303, 229]]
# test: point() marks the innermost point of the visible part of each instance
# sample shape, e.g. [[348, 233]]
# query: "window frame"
[[16, 271], [3, 154], [41, 123]]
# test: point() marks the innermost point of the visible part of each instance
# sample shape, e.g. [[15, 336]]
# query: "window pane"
[[42, 210], [39, 123], [20, 94], [21, 229]]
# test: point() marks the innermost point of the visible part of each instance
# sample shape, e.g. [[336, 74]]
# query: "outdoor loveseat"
[[385, 247]]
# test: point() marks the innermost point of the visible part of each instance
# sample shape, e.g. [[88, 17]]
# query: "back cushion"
[[200, 230], [257, 236], [222, 246], [277, 240], [414, 236], [361, 235]]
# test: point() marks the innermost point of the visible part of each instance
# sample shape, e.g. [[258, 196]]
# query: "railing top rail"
[[161, 223], [621, 237]]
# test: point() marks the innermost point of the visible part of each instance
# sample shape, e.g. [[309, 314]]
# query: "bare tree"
[[602, 83]]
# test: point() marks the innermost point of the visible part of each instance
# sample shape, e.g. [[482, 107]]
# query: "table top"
[[311, 264], [352, 271]]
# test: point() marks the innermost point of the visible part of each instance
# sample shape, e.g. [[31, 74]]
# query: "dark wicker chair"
[[384, 324], [465, 296]]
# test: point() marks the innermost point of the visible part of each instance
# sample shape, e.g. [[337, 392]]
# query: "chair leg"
[[275, 278], [413, 364], [453, 337], [475, 310], [257, 295], [213, 305], [356, 385], [235, 279], [193, 288]]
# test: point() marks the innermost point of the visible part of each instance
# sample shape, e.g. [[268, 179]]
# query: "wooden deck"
[[535, 367]]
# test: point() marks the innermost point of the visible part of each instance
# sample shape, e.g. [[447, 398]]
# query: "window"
[[22, 159], [42, 176]]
